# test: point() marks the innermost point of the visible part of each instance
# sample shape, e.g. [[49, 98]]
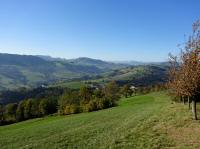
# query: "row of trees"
[[68, 102], [128, 90], [27, 109], [87, 99], [15, 96], [185, 71]]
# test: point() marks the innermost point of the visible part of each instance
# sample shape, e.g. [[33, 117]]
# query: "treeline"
[[64, 101], [88, 99], [184, 83], [27, 109], [14, 96], [153, 88], [128, 90], [61, 101]]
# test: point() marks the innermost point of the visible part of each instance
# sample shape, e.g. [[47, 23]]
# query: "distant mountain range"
[[32, 71], [136, 63]]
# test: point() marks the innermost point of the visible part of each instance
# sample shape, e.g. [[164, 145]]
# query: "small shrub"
[[74, 109], [67, 110]]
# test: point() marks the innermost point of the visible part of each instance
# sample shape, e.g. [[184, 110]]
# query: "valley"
[[18, 71]]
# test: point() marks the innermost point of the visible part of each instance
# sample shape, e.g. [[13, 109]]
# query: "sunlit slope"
[[138, 122]]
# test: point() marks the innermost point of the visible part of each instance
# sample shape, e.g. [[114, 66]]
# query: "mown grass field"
[[146, 122], [72, 85]]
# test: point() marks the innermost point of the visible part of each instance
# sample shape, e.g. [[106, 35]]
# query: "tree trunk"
[[194, 110], [183, 99], [189, 103]]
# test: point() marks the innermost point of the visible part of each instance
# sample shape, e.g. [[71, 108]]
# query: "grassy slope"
[[72, 85], [138, 75], [149, 121]]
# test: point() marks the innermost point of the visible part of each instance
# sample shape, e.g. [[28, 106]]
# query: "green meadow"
[[149, 121]]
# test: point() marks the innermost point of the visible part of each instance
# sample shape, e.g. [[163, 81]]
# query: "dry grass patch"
[[177, 123]]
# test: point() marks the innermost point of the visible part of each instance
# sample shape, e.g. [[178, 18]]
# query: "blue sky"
[[142, 30]]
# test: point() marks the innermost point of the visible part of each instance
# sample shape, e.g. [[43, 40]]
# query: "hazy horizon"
[[116, 61]]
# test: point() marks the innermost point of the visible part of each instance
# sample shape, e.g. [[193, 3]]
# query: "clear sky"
[[143, 30]]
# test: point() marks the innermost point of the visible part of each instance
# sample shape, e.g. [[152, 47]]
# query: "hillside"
[[98, 63], [149, 121], [30, 71], [140, 76]]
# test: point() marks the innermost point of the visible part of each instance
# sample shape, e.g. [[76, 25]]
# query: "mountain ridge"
[[31, 71]]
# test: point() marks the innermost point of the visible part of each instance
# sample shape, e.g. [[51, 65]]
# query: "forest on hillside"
[[27, 104]]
